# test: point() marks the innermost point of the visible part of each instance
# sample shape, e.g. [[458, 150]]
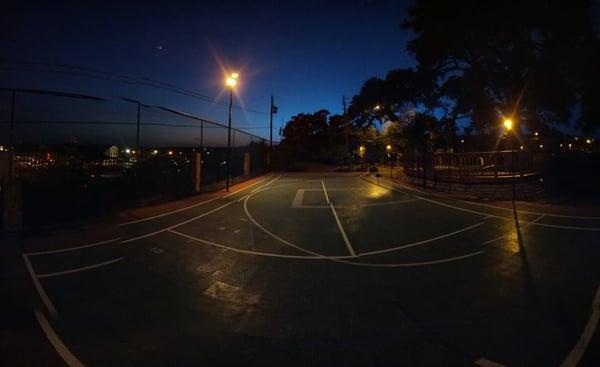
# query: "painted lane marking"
[[414, 264], [265, 185], [492, 206], [508, 235], [391, 249], [258, 253], [60, 347], [77, 270], [344, 236], [325, 192], [178, 224], [38, 287], [298, 199], [191, 206], [340, 260], [578, 350], [73, 248], [497, 216], [487, 363], [339, 224], [262, 228]]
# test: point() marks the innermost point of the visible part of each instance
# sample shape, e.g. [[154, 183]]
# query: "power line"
[[110, 76]]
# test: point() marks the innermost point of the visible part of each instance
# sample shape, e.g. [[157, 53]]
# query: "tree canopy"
[[536, 61]]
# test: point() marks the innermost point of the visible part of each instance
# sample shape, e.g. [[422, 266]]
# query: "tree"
[[533, 61]]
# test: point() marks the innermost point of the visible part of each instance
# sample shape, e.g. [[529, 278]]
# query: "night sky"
[[306, 54]]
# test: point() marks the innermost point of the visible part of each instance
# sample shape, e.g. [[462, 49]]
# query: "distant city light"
[[388, 147], [536, 133], [170, 152], [522, 147], [462, 140], [1, 148], [589, 141], [133, 151], [570, 145], [541, 146], [576, 138], [127, 150], [561, 145], [155, 151], [377, 107]]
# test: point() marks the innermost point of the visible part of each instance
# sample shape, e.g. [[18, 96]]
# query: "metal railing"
[[78, 156], [476, 167]]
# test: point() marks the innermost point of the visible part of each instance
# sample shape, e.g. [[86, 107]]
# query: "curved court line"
[[273, 234], [60, 347], [258, 253], [497, 216], [584, 340], [432, 262], [72, 248], [77, 270], [190, 206], [391, 249], [498, 207], [39, 288], [414, 264]]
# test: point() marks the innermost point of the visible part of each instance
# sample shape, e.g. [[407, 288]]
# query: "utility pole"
[[346, 131], [271, 125]]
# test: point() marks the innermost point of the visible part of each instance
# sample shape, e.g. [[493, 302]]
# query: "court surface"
[[332, 270]]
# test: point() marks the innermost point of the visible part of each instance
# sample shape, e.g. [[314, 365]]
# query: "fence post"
[[450, 173], [247, 164], [198, 172]]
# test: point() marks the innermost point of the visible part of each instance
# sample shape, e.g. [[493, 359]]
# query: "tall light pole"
[[508, 124], [231, 81]]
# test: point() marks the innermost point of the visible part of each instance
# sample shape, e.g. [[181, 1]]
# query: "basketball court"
[[336, 269]]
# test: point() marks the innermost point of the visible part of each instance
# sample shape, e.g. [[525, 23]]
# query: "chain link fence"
[[78, 157]]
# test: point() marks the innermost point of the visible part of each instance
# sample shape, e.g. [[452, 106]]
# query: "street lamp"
[[508, 125], [231, 82]]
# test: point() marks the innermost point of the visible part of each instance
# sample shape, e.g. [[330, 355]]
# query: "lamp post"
[[508, 124], [231, 81]]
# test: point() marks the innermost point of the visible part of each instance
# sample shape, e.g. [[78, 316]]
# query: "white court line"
[[325, 191], [178, 224], [38, 287], [54, 339], [584, 340], [487, 363], [497, 216], [496, 207], [339, 260], [421, 263], [265, 185], [339, 224], [258, 253], [508, 235], [191, 206], [72, 248], [421, 242], [77, 270]]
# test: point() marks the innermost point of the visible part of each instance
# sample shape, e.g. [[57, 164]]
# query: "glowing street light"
[[388, 147], [588, 141], [377, 107], [508, 124], [231, 82]]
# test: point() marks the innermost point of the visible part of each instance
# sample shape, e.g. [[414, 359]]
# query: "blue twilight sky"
[[306, 53]]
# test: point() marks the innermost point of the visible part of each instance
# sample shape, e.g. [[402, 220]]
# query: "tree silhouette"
[[532, 60]]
